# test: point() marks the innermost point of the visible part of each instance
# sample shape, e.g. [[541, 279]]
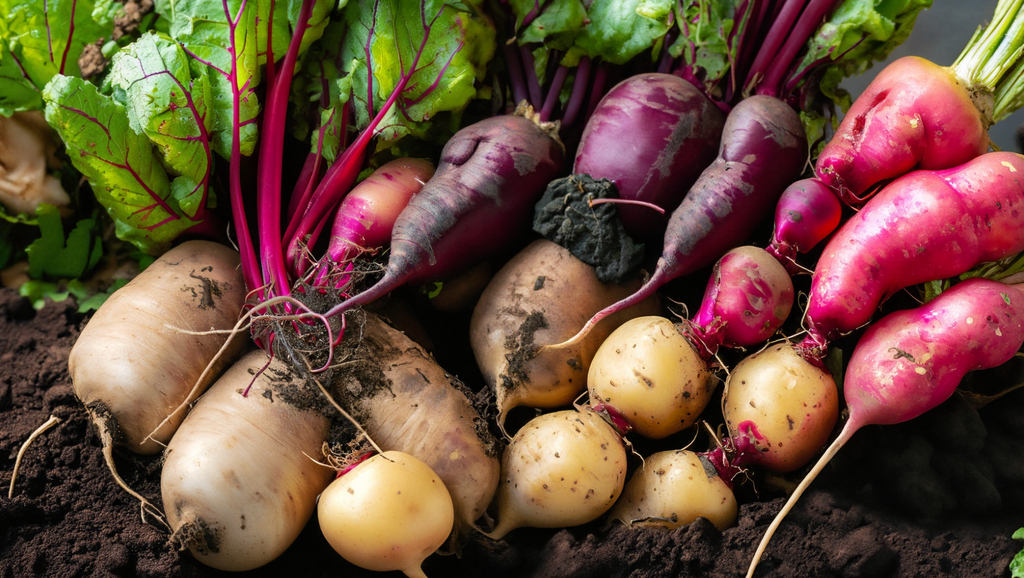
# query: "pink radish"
[[911, 361]]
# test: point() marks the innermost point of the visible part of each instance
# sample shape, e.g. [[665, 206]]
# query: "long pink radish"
[[926, 225], [914, 115], [911, 361]]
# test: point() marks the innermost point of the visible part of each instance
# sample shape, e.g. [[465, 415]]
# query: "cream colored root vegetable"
[[561, 469], [135, 362], [780, 409], [650, 373], [239, 482], [542, 297], [407, 402], [674, 488], [388, 513]]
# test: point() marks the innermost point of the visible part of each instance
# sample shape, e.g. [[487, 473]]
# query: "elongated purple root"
[[808, 211], [479, 199], [911, 361], [763, 150], [748, 297]]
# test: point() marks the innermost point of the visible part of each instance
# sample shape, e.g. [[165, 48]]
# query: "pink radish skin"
[[367, 215], [651, 135], [913, 115], [911, 361], [748, 297], [807, 213], [763, 149], [923, 226]]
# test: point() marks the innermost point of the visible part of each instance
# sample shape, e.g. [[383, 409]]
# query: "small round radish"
[[780, 409], [808, 211], [748, 297], [652, 375], [388, 513], [674, 488], [561, 469]]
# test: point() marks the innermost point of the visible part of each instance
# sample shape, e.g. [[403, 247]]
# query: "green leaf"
[[286, 15], [704, 42], [204, 29], [37, 292], [154, 74], [17, 93], [47, 36], [1017, 564], [51, 256], [91, 302], [859, 33], [126, 176], [556, 26], [384, 37], [320, 72], [617, 31]]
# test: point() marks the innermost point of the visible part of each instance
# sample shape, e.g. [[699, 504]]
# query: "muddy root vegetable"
[[389, 512], [238, 483], [911, 361], [674, 488], [652, 375], [407, 402], [923, 226], [134, 363], [542, 296], [135, 367], [779, 408], [561, 469]]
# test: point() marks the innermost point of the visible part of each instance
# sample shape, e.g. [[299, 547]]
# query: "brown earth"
[[940, 496]]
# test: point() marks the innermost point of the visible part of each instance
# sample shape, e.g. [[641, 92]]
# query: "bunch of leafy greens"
[[365, 52]]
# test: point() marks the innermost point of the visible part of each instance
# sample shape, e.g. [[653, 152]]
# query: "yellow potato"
[[649, 372], [388, 513]]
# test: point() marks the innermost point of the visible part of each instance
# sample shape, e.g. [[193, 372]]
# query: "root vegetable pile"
[[374, 262]]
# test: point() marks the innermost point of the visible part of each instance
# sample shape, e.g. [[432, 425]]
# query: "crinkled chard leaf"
[[166, 104], [217, 35], [48, 36], [554, 24], [592, 233], [384, 36], [620, 30], [17, 92], [125, 174]]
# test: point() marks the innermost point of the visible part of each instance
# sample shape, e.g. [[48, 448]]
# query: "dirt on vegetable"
[[67, 518]]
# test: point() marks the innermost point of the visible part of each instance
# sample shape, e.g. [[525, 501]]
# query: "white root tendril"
[[54, 420]]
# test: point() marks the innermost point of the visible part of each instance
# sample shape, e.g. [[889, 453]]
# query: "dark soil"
[[940, 496]]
